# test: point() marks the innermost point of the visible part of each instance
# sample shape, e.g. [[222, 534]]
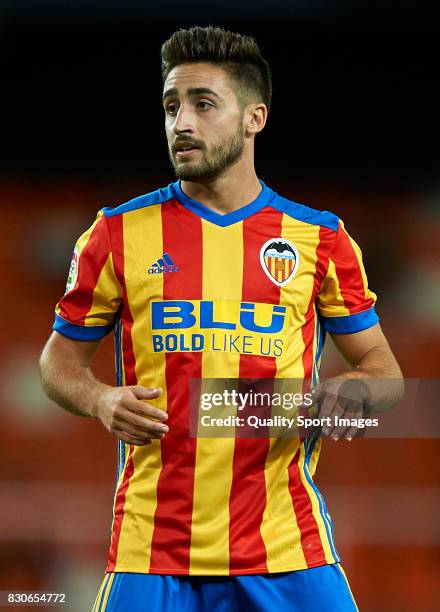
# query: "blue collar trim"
[[264, 197]]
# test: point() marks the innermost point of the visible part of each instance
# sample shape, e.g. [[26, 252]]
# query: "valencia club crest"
[[279, 259]]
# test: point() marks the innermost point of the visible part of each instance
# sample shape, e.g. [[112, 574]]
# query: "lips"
[[184, 145], [185, 150]]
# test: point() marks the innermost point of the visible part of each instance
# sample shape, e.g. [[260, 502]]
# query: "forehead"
[[198, 75]]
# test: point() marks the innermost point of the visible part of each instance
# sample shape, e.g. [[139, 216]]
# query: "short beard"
[[222, 157]]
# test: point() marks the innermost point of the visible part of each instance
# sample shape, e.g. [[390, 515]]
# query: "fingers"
[[143, 421], [132, 439], [143, 409], [139, 419], [138, 434], [351, 433], [339, 411], [145, 392], [131, 419], [349, 411], [328, 407], [139, 426]]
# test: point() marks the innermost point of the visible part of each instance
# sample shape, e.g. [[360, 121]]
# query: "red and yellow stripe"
[[243, 505]]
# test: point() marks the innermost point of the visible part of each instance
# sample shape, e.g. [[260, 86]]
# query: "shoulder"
[[164, 194], [306, 214]]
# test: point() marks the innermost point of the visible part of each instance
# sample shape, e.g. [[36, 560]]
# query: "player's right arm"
[[68, 380], [86, 313]]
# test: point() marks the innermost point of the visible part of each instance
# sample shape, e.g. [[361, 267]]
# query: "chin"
[[186, 172]]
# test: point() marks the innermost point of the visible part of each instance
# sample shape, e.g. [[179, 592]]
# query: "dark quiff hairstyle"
[[237, 54]]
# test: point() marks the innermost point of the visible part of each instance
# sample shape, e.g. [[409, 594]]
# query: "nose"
[[183, 121]]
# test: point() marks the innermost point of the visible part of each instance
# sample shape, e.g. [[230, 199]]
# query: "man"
[[216, 276]]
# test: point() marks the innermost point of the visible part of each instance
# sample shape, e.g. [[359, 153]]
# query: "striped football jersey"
[[190, 293]]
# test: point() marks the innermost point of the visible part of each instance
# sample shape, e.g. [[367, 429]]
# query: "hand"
[[345, 398], [123, 413]]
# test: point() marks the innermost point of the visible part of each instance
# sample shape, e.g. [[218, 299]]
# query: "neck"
[[233, 190]]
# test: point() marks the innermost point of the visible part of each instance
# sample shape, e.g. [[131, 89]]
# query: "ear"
[[255, 118]]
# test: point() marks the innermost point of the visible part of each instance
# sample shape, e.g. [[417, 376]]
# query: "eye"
[[171, 109], [204, 105]]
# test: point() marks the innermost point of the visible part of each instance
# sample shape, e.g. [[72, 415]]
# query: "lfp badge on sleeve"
[[73, 271]]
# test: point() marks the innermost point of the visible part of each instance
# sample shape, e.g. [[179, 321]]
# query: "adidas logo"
[[162, 265]]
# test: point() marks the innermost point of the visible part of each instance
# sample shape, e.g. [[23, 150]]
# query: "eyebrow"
[[192, 91]]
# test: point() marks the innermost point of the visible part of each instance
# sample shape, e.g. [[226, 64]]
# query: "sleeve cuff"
[[80, 332], [351, 323]]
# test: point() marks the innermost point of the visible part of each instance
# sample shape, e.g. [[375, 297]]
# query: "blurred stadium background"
[[353, 129]]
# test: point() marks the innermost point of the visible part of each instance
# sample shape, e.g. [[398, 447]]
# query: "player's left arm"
[[368, 354], [374, 382], [346, 305]]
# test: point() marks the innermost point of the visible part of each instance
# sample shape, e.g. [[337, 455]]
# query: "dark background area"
[[353, 129], [355, 87]]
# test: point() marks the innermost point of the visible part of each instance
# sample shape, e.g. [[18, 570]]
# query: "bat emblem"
[[279, 259]]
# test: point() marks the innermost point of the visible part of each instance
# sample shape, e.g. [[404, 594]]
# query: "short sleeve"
[[93, 296], [345, 303]]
